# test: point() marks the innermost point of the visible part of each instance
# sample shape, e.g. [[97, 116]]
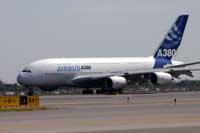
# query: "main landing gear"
[[101, 91], [88, 91]]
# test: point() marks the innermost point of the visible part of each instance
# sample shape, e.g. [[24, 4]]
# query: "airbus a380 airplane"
[[111, 73]]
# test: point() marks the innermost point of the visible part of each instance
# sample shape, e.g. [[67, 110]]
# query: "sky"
[[38, 29]]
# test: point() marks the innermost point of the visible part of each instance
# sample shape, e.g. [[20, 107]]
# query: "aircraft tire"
[[88, 91]]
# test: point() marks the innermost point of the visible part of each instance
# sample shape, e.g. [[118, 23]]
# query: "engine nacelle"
[[115, 82], [161, 78]]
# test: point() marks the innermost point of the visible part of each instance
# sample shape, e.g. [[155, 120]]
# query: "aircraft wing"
[[183, 65], [98, 79], [82, 79], [91, 80], [175, 72]]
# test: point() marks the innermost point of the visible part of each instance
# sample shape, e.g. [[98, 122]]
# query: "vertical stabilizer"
[[172, 40]]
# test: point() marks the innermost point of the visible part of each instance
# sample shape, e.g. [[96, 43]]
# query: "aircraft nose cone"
[[19, 78]]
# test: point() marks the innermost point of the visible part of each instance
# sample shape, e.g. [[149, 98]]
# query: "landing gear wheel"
[[102, 91], [88, 91], [112, 92]]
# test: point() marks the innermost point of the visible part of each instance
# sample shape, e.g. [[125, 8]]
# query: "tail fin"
[[172, 40]]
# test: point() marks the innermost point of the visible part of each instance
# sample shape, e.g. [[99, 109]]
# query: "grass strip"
[[19, 109]]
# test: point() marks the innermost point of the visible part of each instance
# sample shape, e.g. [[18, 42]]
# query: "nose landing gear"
[[30, 92]]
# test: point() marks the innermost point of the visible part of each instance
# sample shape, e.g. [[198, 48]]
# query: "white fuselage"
[[62, 71]]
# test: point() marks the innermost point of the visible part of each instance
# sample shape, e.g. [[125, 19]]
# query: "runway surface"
[[149, 113]]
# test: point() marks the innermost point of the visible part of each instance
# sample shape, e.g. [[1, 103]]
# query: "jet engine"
[[115, 82], [161, 78]]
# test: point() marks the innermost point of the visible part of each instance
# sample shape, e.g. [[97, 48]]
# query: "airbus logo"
[[68, 69], [73, 68]]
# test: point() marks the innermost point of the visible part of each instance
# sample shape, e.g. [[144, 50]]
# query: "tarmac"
[[138, 113]]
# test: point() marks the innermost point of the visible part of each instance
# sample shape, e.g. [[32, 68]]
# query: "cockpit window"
[[27, 70]]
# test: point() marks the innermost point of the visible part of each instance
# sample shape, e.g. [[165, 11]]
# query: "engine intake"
[[161, 78], [115, 82]]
